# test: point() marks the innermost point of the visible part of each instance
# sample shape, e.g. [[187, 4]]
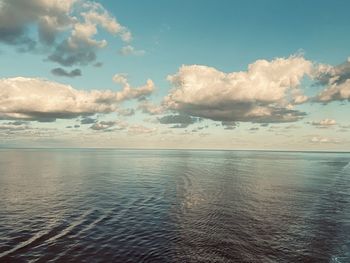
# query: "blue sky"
[[227, 36]]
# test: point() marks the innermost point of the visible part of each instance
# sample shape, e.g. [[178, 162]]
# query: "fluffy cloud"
[[337, 82], [326, 123], [266, 92], [67, 28], [42, 100], [334, 74], [132, 93], [335, 92], [49, 16], [150, 108], [63, 73]]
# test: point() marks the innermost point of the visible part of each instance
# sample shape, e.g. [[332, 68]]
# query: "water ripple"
[[174, 206]]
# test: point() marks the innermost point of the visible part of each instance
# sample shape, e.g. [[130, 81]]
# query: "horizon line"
[[170, 149]]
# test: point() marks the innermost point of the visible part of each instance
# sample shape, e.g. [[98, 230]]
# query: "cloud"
[[274, 128], [109, 125], [14, 126], [125, 112], [200, 128], [67, 29], [335, 92], [266, 92], [337, 82], [130, 50], [45, 101], [17, 123], [326, 123], [87, 120], [321, 140], [150, 108], [229, 125], [292, 127], [180, 126], [180, 121], [140, 129], [129, 92], [66, 56], [344, 128], [103, 125], [98, 65], [16, 16], [333, 74], [122, 124], [63, 73], [75, 126]]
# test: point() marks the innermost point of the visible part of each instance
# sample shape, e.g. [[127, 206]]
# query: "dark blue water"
[[173, 206]]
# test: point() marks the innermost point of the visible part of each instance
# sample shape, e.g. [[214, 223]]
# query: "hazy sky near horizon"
[[175, 74]]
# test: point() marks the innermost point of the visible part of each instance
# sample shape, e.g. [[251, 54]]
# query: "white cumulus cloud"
[[42, 100], [266, 92]]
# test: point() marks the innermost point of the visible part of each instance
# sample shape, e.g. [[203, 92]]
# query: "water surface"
[[93, 205]]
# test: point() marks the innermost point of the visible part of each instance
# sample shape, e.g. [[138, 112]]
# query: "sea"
[[117, 205]]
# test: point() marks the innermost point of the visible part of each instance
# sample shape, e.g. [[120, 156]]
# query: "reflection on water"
[[174, 206]]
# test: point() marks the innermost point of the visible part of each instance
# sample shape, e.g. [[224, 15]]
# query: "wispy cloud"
[[125, 112], [322, 140], [325, 123], [130, 50], [140, 129]]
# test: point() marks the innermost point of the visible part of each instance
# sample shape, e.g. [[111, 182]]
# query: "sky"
[[199, 74]]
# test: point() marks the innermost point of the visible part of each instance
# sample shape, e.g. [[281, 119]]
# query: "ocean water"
[[73, 205]]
